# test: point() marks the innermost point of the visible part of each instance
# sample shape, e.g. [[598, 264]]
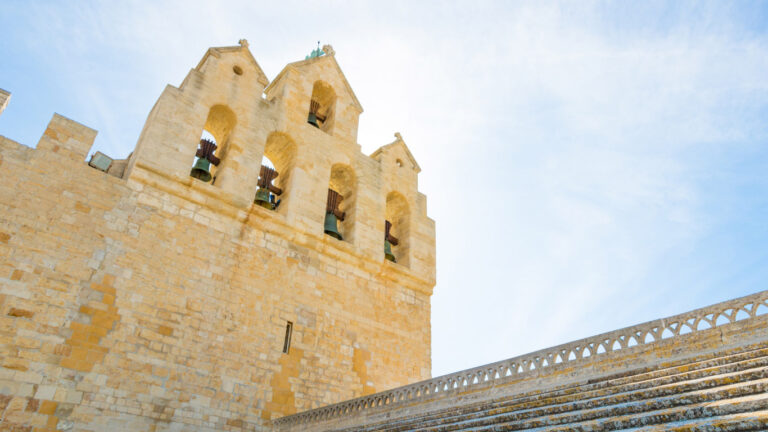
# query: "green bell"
[[262, 199], [201, 170], [312, 119], [388, 251], [331, 227]]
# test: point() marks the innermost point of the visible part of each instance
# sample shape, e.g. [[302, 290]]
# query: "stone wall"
[[158, 302]]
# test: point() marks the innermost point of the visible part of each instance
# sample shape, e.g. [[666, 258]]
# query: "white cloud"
[[593, 132]]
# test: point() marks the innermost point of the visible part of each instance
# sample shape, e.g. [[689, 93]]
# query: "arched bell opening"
[[340, 204], [397, 225], [268, 194], [321, 107], [275, 171], [213, 144]]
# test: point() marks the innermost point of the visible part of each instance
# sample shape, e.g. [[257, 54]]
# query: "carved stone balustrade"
[[739, 322]]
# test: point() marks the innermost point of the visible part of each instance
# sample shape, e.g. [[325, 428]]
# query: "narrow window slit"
[[288, 332]]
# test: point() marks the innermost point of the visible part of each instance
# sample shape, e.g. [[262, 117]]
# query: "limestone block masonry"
[[137, 298]]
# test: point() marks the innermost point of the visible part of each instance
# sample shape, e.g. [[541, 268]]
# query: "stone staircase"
[[712, 377], [726, 393]]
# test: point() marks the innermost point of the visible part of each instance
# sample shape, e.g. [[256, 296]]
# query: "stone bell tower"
[[270, 268], [228, 95], [357, 322]]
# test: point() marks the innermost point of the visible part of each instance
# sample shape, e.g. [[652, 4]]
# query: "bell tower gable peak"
[[325, 68], [315, 91], [248, 62], [397, 146]]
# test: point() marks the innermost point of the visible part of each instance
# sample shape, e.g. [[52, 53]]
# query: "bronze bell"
[[201, 170], [263, 198], [265, 194], [333, 215], [314, 106], [388, 251], [312, 119], [331, 226]]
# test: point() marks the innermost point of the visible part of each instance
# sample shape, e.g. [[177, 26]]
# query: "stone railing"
[[647, 333]]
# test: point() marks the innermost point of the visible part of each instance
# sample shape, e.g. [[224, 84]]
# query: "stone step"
[[711, 388], [754, 421], [612, 408], [643, 379], [583, 401], [582, 395], [698, 411]]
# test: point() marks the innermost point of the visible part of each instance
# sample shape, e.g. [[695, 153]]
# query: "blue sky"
[[620, 148]]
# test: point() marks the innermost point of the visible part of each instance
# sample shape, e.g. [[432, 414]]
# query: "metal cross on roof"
[[315, 52]]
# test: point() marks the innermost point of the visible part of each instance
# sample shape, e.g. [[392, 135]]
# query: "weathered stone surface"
[[142, 299]]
